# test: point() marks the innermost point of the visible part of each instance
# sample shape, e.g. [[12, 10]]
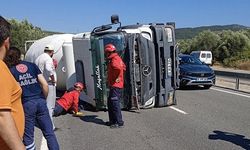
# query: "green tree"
[[246, 32], [234, 42], [24, 31], [205, 40], [184, 46]]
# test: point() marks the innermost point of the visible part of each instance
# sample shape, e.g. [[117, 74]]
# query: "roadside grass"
[[244, 65]]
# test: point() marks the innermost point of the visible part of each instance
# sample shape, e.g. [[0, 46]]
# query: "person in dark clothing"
[[116, 69], [35, 91], [69, 101]]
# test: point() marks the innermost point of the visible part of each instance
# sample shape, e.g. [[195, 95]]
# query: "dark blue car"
[[194, 73]]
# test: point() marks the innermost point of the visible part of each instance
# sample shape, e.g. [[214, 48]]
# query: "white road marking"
[[43, 144], [177, 109], [230, 92]]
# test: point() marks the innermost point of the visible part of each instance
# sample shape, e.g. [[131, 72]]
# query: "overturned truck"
[[150, 54]]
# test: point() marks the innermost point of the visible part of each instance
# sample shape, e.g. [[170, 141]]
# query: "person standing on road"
[[116, 69], [11, 110], [35, 90], [45, 64]]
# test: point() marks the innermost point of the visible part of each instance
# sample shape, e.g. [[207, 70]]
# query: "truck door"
[[98, 42], [99, 73], [165, 65]]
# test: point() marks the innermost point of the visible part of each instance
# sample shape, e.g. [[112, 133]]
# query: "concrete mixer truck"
[[150, 54], [63, 54]]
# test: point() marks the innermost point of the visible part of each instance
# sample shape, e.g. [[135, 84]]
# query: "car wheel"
[[207, 86], [181, 86]]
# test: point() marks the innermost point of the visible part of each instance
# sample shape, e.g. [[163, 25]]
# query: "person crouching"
[[69, 101]]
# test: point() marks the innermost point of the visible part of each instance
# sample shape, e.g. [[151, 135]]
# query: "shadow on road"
[[236, 139], [194, 87], [93, 119]]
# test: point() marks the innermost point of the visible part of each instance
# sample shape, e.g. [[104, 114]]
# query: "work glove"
[[78, 114]]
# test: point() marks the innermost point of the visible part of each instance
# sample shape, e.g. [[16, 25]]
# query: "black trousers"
[[114, 108], [59, 110]]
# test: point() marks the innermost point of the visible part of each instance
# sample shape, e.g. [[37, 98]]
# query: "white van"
[[204, 56]]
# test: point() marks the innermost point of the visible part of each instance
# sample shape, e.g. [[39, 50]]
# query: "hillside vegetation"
[[230, 44], [22, 31], [189, 33]]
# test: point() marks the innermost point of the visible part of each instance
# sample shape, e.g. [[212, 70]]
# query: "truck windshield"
[[116, 39]]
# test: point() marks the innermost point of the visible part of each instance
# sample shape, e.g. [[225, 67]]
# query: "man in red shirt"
[[116, 69], [69, 101]]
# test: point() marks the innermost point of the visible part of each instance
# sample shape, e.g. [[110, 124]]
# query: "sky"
[[76, 16]]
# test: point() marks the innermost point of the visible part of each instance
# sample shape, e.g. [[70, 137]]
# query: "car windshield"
[[189, 60]]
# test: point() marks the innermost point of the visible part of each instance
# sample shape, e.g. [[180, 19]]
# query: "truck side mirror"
[[114, 19]]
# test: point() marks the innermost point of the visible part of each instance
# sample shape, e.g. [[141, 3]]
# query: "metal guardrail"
[[236, 78], [233, 74]]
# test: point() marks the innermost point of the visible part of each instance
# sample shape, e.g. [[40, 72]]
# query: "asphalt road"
[[202, 120]]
